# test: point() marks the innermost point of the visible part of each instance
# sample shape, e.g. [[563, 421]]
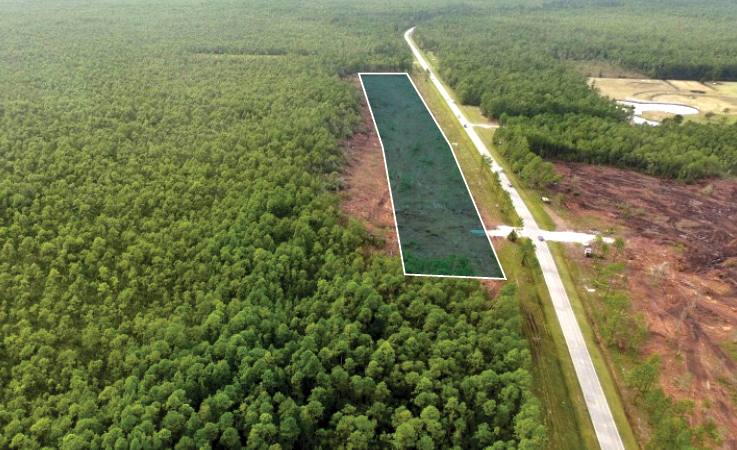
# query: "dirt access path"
[[681, 251], [367, 189]]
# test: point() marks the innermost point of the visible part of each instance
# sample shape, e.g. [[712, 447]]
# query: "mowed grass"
[[723, 119], [570, 271], [475, 116], [727, 88], [621, 88], [716, 102]]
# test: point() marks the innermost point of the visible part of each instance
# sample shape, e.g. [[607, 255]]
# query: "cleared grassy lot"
[[434, 212], [715, 102]]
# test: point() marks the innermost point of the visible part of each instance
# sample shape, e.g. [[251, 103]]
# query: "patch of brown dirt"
[[681, 252], [366, 186]]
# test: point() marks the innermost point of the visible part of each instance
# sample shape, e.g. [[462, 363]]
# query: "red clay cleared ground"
[[681, 252], [367, 189]]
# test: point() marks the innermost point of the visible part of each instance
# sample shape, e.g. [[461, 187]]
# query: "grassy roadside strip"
[[556, 385], [473, 113], [536, 207], [564, 408], [496, 203], [604, 368], [548, 314], [538, 212]]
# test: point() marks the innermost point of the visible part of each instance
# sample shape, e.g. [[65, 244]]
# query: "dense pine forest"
[[518, 64], [174, 270]]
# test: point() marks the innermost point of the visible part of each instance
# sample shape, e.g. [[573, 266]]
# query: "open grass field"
[[716, 102], [475, 115]]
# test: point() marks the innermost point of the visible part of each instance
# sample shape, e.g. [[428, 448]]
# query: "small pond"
[[672, 108]]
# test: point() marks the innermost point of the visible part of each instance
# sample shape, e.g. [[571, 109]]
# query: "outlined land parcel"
[[434, 211]]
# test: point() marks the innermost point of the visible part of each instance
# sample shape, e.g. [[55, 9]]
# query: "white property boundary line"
[[391, 197]]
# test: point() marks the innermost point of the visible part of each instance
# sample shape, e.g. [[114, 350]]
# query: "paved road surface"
[[601, 415]]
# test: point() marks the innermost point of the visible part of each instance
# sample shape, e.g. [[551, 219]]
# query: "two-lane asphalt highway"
[[601, 415]]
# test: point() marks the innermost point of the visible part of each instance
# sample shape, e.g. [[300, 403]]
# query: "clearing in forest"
[[716, 101], [438, 225]]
